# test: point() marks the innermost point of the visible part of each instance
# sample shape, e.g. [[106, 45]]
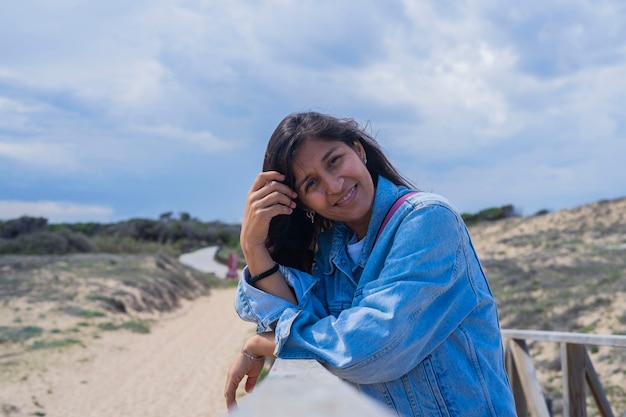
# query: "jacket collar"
[[386, 194]]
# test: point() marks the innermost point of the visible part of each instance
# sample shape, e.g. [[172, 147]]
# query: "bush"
[[490, 214], [24, 225], [47, 243], [39, 243], [78, 242], [31, 235]]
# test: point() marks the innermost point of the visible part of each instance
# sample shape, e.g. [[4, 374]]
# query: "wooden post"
[[528, 380], [573, 362], [596, 388], [521, 407]]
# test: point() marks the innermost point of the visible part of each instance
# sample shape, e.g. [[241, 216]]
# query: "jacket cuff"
[[258, 306], [285, 350]]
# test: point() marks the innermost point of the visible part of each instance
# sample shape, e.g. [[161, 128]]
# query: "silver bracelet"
[[251, 356]]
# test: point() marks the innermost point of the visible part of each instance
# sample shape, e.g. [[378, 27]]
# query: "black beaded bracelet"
[[262, 275]]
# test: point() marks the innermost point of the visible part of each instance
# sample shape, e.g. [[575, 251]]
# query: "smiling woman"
[[332, 181], [348, 266]]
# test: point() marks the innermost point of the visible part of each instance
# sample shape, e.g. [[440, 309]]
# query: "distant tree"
[[24, 225], [184, 217], [167, 216], [490, 214]]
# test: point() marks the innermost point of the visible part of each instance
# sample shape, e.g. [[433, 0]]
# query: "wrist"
[[264, 274], [260, 345], [251, 356], [253, 249]]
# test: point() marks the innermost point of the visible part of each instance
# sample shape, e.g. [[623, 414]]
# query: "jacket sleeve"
[[422, 292], [265, 309]]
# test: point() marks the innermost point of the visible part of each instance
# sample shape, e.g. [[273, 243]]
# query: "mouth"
[[346, 198]]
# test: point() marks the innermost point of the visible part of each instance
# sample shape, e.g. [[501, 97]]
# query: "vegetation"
[[490, 214], [35, 236], [18, 334]]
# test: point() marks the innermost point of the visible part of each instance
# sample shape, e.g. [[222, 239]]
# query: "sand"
[[178, 369]]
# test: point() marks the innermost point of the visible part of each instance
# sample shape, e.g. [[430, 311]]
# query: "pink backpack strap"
[[392, 211]]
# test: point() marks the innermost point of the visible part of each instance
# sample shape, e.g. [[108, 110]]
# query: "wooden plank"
[[536, 402], [596, 388], [565, 337], [574, 399], [521, 407]]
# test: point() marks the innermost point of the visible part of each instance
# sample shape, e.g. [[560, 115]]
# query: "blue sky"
[[114, 110]]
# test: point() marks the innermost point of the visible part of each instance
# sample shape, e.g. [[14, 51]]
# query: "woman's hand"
[[242, 366], [268, 197], [249, 362]]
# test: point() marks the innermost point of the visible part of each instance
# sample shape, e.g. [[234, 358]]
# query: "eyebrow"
[[324, 157]]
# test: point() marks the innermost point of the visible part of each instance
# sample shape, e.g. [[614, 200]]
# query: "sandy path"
[[177, 370], [204, 260]]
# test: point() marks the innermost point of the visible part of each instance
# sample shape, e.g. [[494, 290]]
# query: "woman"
[[401, 311]]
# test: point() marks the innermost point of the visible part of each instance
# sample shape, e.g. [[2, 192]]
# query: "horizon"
[[176, 216]]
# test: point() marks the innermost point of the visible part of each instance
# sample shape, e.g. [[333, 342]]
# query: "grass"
[[18, 334], [135, 326], [83, 313], [55, 344]]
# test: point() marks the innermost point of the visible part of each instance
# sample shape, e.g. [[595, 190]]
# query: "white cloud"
[[116, 88], [50, 156], [55, 211], [203, 140]]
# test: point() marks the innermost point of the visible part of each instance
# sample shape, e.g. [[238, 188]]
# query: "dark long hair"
[[291, 238]]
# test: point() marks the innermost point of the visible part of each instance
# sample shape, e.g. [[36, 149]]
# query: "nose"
[[333, 184]]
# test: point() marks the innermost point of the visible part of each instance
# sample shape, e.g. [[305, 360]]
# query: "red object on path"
[[232, 266]]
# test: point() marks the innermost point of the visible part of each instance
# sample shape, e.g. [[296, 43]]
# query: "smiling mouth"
[[346, 197]]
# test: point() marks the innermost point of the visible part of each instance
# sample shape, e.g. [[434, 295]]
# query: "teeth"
[[346, 196]]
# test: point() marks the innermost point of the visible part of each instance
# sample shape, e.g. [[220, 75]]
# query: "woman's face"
[[331, 179]]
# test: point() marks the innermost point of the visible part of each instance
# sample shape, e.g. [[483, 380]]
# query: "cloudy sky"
[[120, 109]]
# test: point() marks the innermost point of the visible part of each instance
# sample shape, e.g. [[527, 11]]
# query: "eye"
[[334, 159], [310, 184]]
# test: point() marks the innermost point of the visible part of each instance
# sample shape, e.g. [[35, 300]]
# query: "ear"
[[360, 150]]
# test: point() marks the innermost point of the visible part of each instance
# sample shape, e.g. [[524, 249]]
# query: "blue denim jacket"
[[414, 324]]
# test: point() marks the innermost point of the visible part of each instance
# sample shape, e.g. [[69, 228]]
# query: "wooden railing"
[[576, 367], [304, 388]]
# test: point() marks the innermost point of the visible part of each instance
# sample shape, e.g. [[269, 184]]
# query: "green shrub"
[[490, 214]]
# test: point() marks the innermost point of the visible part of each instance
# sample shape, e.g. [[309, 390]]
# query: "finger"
[[274, 198], [265, 177], [266, 182], [251, 383], [230, 392], [233, 380], [272, 188]]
